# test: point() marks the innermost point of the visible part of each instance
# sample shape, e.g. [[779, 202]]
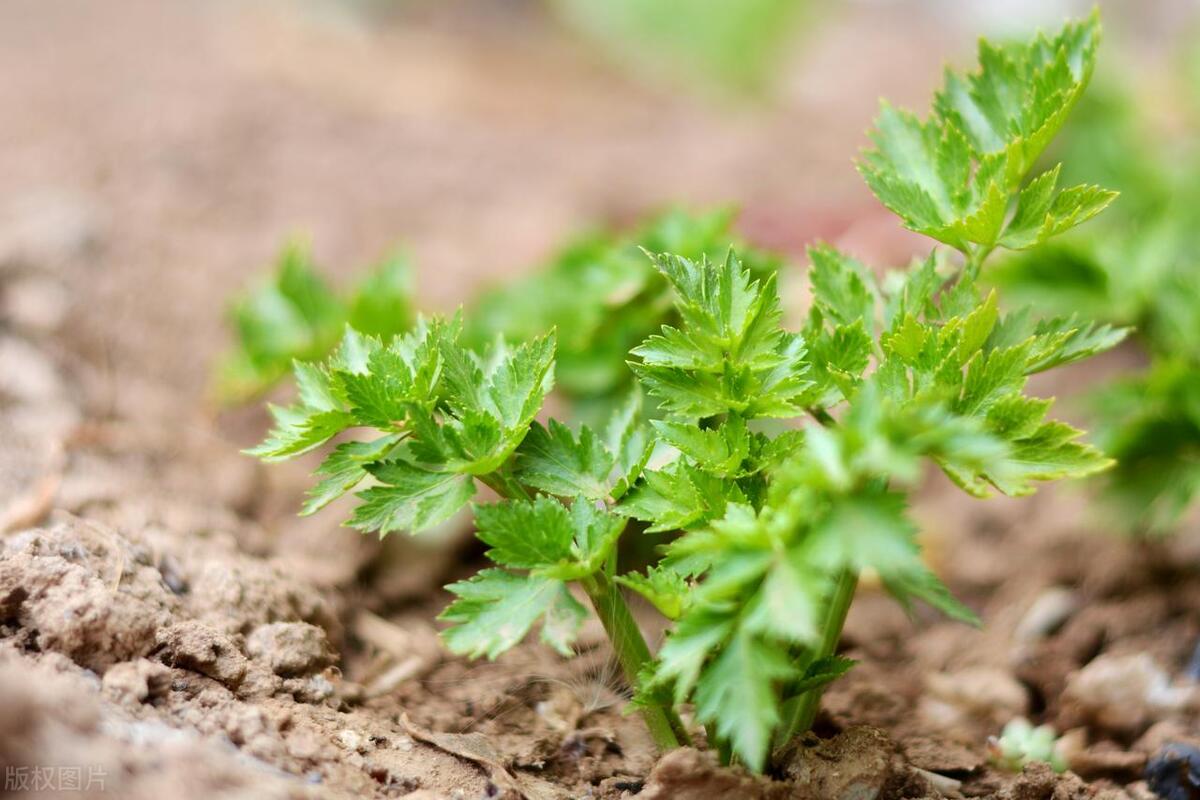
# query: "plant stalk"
[[975, 259], [504, 484], [805, 711], [666, 728]]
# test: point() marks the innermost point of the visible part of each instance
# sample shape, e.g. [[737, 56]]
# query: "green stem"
[[975, 259], [803, 712], [632, 654], [504, 484], [822, 416], [666, 728]]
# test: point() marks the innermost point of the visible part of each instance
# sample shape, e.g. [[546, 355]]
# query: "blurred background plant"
[[1140, 266], [734, 46], [599, 292], [294, 315]]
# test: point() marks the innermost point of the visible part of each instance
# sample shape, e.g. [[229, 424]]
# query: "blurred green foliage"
[[603, 296], [599, 293], [733, 43], [1139, 266], [294, 315]]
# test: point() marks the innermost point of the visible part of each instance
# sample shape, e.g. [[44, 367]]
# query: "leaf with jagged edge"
[[603, 296], [677, 497], [548, 538], [409, 498], [381, 304], [718, 451], [954, 175], [295, 315], [729, 353], [316, 417], [345, 468], [553, 459], [737, 693], [1043, 213], [662, 587], [494, 611], [525, 534], [843, 288]]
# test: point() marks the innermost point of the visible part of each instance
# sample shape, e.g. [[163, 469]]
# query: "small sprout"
[[1021, 743]]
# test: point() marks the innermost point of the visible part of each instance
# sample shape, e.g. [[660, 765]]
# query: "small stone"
[[351, 740], [1049, 611], [988, 695], [1122, 694], [44, 230], [1174, 772], [35, 305], [290, 648], [1106, 761], [195, 646], [139, 681]]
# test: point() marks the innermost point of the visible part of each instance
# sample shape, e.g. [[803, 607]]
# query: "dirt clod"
[[290, 648], [140, 681], [688, 774], [81, 590], [195, 646], [1122, 694], [861, 763]]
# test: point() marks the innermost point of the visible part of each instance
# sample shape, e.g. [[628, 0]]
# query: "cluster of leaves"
[[1139, 267], [295, 315], [598, 292], [780, 459], [603, 297], [954, 176]]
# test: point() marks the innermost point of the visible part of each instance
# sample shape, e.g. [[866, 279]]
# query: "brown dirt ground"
[[166, 619]]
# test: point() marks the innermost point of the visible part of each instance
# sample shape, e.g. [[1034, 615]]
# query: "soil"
[[168, 623]]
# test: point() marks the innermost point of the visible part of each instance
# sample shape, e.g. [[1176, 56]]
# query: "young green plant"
[[779, 461]]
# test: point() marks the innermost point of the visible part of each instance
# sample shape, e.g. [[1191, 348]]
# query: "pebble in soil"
[[1174, 772]]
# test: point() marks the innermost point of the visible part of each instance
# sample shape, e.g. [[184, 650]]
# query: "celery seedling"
[[775, 520]]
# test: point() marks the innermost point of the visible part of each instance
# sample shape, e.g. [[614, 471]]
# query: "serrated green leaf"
[[553, 460], [719, 451], [663, 587], [494, 611], [921, 584], [865, 530], [381, 304], [788, 604], [345, 468], [696, 636], [410, 498], [953, 176], [730, 355], [737, 694], [843, 288], [674, 498], [297, 430], [525, 534], [295, 315]]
